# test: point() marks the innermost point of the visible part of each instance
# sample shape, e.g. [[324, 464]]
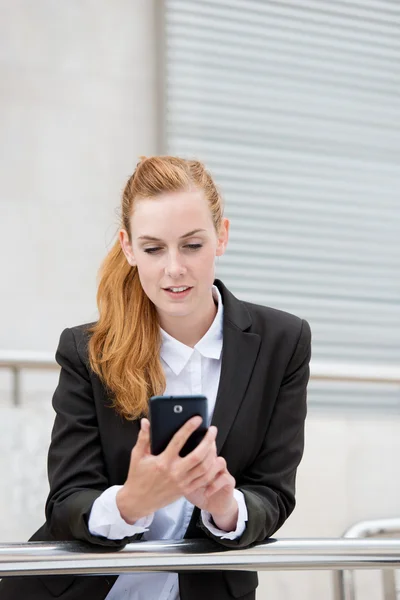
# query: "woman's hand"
[[217, 497], [156, 481]]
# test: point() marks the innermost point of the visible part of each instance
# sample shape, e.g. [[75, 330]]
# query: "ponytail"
[[125, 342]]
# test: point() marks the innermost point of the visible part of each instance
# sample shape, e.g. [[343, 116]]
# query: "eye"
[[194, 246], [152, 250]]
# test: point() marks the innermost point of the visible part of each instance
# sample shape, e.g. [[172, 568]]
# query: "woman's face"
[[174, 245]]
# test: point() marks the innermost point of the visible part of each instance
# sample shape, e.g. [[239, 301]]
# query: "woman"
[[167, 327]]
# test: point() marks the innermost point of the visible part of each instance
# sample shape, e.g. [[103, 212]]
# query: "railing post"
[[16, 385], [343, 580], [343, 585], [389, 585]]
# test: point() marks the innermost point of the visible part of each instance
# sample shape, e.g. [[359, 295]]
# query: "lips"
[[178, 295]]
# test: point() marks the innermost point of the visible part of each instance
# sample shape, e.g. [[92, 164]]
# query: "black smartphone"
[[169, 413]]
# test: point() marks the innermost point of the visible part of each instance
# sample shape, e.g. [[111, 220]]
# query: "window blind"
[[295, 108]]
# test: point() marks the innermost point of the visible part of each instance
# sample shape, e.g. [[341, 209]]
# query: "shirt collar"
[[177, 355]]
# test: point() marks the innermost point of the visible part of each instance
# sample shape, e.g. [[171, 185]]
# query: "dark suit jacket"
[[260, 412]]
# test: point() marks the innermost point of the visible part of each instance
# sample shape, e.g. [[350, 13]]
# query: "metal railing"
[[16, 361], [344, 588], [340, 555], [61, 558]]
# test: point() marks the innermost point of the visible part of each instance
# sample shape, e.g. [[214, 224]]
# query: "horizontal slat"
[[284, 246], [352, 353], [347, 55], [324, 254], [203, 104], [276, 216], [274, 181], [195, 115], [343, 398], [373, 11], [352, 282], [265, 237], [319, 290], [373, 38], [283, 67], [233, 265], [278, 203], [377, 10], [306, 306], [347, 149], [357, 239], [271, 94], [338, 154], [244, 69]]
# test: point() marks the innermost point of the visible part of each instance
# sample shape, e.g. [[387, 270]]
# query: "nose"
[[175, 267]]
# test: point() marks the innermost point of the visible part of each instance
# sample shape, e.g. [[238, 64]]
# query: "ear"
[[223, 237], [127, 247]]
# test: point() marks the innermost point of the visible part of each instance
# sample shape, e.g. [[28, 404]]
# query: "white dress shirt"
[[188, 371]]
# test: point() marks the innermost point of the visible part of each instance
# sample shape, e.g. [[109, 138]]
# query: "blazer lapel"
[[239, 354]]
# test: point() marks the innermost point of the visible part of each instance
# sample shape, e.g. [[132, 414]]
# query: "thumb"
[[142, 446]]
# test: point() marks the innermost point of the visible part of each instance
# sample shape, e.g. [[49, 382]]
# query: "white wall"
[[77, 106]]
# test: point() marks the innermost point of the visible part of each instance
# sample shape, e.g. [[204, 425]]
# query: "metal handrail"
[[355, 372], [16, 360], [21, 359], [60, 558], [344, 588]]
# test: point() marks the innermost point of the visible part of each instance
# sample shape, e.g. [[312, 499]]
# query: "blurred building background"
[[295, 109]]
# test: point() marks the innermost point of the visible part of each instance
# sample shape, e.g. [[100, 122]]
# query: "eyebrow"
[[155, 239]]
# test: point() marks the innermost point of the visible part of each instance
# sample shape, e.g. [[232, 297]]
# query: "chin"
[[178, 311]]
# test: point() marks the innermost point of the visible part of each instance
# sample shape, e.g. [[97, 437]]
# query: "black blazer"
[[260, 411]]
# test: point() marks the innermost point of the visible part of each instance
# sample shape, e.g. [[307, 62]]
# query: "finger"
[[200, 470], [204, 479], [142, 445], [223, 479], [180, 438], [198, 455], [197, 463], [145, 424]]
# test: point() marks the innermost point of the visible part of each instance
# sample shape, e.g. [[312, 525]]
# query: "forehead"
[[171, 215]]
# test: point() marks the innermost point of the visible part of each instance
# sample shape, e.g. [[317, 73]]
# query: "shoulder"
[[74, 340], [271, 324], [277, 324]]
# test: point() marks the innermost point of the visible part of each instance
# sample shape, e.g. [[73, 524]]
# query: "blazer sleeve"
[[76, 468], [268, 484]]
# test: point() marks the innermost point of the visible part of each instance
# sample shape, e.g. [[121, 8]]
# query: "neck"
[[189, 330]]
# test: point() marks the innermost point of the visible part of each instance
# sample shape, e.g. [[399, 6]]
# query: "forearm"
[[106, 520], [124, 506], [228, 520], [67, 519]]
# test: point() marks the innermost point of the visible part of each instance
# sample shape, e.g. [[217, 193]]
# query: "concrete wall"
[[77, 106]]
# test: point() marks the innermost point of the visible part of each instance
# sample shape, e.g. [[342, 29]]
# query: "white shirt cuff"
[[241, 522], [105, 518]]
